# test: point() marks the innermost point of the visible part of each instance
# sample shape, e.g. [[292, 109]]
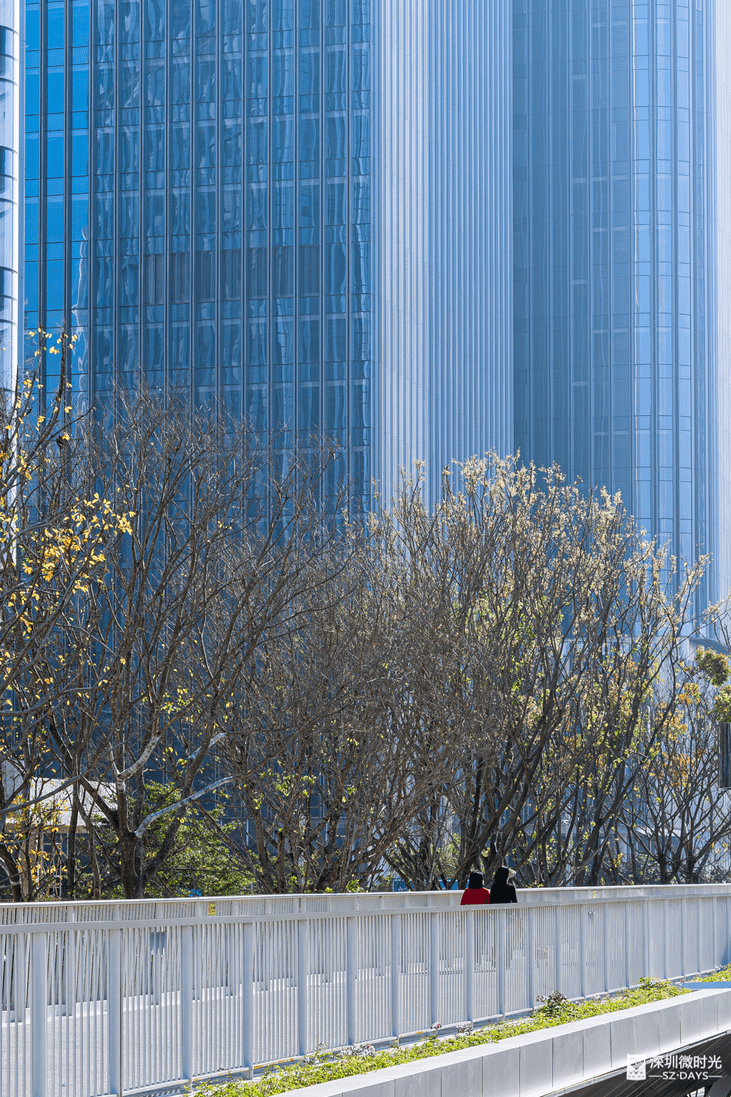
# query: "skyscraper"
[[722, 176], [11, 221], [300, 207], [616, 364], [316, 212]]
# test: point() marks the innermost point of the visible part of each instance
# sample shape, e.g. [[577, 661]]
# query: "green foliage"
[[322, 1067], [722, 705], [713, 665], [200, 861], [723, 975], [554, 1005]]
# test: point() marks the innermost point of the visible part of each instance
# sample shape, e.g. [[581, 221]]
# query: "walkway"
[[111, 997]]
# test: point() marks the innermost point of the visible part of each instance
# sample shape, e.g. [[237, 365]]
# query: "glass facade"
[[198, 189], [615, 349], [205, 207], [11, 227]]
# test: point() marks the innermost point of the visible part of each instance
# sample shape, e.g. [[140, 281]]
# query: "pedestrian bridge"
[[139, 997]]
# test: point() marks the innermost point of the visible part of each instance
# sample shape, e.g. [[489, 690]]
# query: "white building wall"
[[443, 227], [402, 152], [723, 284]]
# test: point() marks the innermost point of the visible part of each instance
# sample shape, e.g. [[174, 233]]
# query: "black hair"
[[477, 880]]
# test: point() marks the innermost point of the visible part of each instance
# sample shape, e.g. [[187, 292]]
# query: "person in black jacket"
[[503, 889]]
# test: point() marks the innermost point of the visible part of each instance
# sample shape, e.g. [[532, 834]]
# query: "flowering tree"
[[54, 543]]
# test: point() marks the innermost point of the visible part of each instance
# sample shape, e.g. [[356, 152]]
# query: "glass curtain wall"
[[10, 197], [57, 176], [615, 368], [198, 206]]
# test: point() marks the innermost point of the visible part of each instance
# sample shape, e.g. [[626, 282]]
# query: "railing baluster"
[[39, 1013], [558, 947], [247, 990], [114, 1010], [469, 966], [627, 976], [19, 977], [186, 1003], [302, 972], [395, 974], [500, 959], [433, 968], [606, 948], [664, 941], [350, 973], [582, 948], [531, 958]]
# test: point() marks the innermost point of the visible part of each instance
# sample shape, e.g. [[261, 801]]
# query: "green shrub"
[[324, 1066], [722, 975]]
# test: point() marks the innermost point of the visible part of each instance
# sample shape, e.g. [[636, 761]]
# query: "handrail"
[[122, 996]]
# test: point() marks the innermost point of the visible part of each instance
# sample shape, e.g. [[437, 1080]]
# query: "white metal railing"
[[111, 998]]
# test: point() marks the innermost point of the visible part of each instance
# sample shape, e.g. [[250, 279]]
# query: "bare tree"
[[192, 591], [53, 541], [326, 764], [551, 624], [676, 825]]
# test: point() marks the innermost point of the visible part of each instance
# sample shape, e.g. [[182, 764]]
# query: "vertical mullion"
[[167, 191], [322, 184], [91, 192], [270, 249], [115, 214], [42, 183], [245, 289], [42, 169], [295, 225], [66, 195], [350, 15], [192, 326], [217, 196], [142, 205]]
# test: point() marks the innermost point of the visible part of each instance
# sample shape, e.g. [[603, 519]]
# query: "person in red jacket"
[[476, 893]]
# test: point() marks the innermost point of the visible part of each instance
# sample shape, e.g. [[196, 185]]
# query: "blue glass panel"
[[31, 156], [282, 140], [105, 22], [282, 344], [282, 411], [335, 147], [31, 286], [32, 35], [31, 93], [55, 26], [54, 219], [79, 217], [180, 145], [54, 284], [129, 280], [104, 88], [256, 407], [335, 268], [257, 141]]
